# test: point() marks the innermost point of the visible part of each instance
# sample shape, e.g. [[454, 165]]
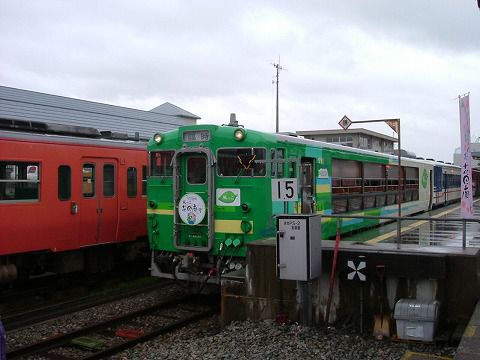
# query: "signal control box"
[[299, 250]]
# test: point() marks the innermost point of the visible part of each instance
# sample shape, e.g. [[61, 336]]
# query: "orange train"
[[71, 198]]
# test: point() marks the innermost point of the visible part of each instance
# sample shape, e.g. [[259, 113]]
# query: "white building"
[[357, 138]]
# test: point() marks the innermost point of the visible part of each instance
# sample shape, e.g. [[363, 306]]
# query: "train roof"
[[294, 139], [71, 139], [394, 158]]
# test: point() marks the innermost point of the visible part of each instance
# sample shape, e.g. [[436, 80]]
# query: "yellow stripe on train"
[[322, 188], [230, 226], [160, 211]]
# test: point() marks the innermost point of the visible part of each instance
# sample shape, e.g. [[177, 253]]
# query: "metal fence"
[[399, 220]]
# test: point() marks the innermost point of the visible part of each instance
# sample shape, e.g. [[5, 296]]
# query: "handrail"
[[409, 218]]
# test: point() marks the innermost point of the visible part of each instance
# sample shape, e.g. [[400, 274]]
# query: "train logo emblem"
[[191, 209], [356, 270], [228, 197], [424, 178]]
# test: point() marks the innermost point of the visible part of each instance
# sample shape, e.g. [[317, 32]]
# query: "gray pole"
[[276, 114], [399, 189]]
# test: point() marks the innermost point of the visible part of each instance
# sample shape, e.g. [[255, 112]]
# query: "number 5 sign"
[[284, 190]]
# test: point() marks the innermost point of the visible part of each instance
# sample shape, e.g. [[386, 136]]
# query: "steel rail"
[[27, 318], [62, 339]]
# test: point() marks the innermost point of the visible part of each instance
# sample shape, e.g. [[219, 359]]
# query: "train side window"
[[196, 170], [88, 180], [411, 184], [108, 180], [280, 162], [132, 182], [346, 185], [373, 185], [19, 180], [292, 169], [161, 163], [144, 180], [277, 162], [273, 163], [392, 184], [64, 182]]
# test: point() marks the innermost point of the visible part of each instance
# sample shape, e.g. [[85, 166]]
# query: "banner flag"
[[466, 171]]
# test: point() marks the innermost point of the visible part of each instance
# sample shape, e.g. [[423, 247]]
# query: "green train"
[[213, 189]]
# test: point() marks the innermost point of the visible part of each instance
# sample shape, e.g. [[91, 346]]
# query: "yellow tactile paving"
[[390, 234]]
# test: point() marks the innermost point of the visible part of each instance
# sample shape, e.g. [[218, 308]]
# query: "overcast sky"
[[368, 59]]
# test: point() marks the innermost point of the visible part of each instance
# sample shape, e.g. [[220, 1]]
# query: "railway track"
[[114, 335], [29, 317], [56, 288]]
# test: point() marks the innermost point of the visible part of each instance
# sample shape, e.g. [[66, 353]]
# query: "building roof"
[[348, 131], [19, 104], [170, 109]]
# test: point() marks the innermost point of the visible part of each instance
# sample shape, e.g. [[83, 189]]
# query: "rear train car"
[[69, 202], [446, 184], [213, 189]]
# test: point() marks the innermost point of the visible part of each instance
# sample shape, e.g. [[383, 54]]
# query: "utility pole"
[[278, 67]]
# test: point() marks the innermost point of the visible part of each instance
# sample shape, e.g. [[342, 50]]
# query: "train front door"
[[98, 205], [307, 186], [193, 193]]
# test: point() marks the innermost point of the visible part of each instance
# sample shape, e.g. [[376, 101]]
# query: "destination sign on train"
[[199, 135]]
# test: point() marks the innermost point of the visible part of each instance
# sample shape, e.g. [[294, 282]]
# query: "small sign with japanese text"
[[466, 171]]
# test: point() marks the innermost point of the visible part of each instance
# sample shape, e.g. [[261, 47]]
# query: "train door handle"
[[73, 208]]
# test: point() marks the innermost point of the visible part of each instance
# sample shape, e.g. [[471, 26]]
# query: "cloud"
[[368, 59]]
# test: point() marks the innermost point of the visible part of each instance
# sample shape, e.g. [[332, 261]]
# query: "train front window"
[[243, 162], [19, 180], [161, 163], [197, 170]]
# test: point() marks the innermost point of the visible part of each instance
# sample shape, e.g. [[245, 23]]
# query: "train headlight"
[[245, 207], [239, 134], [158, 138]]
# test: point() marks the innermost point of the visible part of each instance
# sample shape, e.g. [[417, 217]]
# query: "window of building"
[[88, 180], [64, 182], [161, 163], [108, 180], [363, 142], [19, 180], [242, 162], [132, 182], [346, 140]]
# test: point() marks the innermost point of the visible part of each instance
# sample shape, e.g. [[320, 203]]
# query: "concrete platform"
[[469, 348], [447, 274]]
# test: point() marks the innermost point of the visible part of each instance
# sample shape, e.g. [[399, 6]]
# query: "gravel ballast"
[[267, 340]]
